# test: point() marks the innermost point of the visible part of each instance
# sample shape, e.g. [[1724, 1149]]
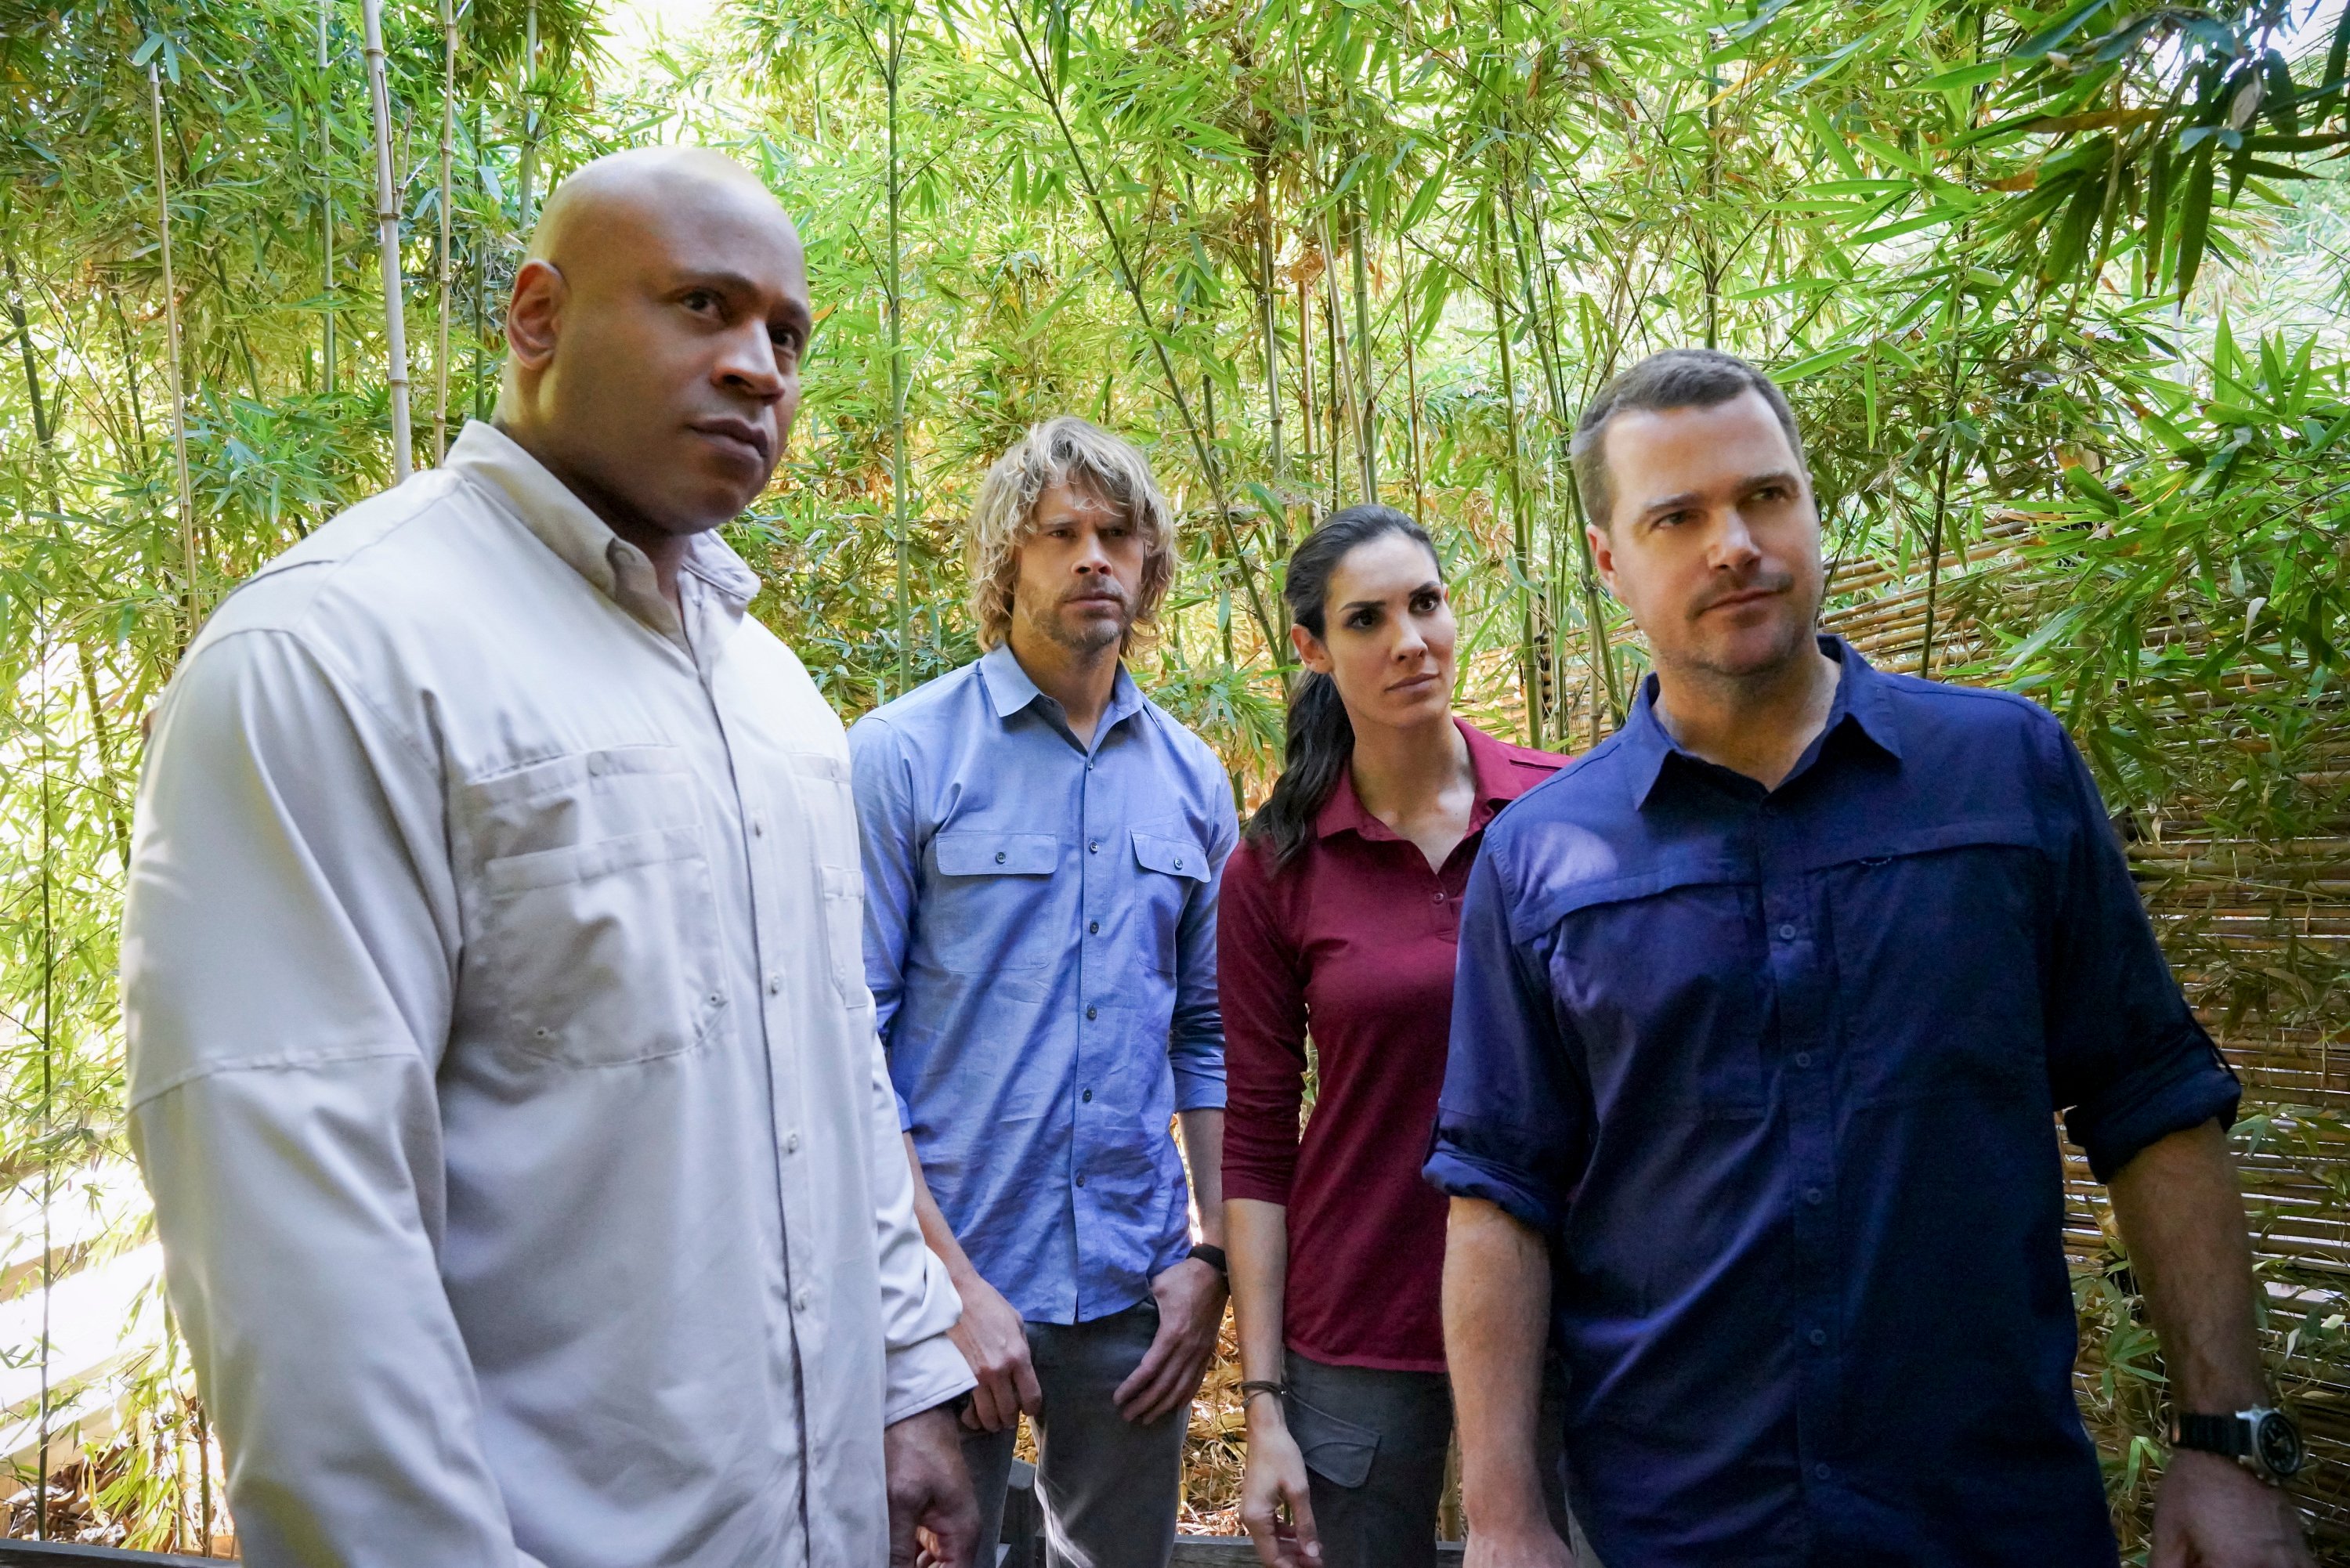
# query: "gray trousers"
[[1375, 1443], [1108, 1488]]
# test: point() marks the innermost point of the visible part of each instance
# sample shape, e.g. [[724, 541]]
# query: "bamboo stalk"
[[327, 181], [387, 221], [448, 139], [1265, 310], [1366, 406], [1521, 531], [172, 337], [529, 113], [897, 476]]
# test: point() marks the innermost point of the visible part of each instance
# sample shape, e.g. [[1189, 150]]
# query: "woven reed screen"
[[2258, 933]]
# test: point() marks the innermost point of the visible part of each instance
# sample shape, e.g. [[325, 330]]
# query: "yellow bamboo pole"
[[447, 136]]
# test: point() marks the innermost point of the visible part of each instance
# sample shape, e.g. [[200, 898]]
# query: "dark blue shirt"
[[1776, 1074]]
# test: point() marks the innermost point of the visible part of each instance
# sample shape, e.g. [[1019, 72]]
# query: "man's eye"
[[701, 300]]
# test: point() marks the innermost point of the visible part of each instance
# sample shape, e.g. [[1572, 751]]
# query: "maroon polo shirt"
[[1352, 942]]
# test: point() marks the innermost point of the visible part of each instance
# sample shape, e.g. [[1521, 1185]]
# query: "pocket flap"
[[1175, 856], [1337, 1449], [982, 854], [579, 862]]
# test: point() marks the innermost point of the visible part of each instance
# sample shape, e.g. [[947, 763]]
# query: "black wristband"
[[1213, 1257], [1251, 1389]]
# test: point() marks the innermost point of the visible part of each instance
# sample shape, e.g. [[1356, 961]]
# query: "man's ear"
[[1603, 556], [534, 312]]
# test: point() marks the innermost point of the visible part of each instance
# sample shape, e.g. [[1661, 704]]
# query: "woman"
[[1340, 916]]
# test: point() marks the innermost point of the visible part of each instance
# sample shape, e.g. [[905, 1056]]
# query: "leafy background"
[[2059, 292]]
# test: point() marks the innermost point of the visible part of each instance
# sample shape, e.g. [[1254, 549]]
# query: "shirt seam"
[[281, 1062]]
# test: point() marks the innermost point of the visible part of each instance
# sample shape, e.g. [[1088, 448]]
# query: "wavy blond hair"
[[1065, 450]]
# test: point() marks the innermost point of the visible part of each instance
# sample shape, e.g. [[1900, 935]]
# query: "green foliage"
[[1303, 251]]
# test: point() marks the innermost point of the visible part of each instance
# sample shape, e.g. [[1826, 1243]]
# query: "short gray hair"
[[1065, 450], [1672, 379]]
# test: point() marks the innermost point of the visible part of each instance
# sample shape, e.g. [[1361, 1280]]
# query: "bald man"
[[501, 1060]]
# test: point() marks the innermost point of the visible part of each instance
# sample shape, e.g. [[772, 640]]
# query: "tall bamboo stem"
[[897, 476], [441, 316], [326, 180], [1412, 392], [1521, 528], [529, 113], [172, 339], [387, 229], [1365, 406]]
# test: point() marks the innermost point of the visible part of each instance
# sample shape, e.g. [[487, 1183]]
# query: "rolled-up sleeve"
[[1195, 1035], [1264, 1034], [2128, 1060], [287, 960], [1510, 1123]]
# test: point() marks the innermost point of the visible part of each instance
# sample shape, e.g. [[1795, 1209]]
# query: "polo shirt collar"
[[1860, 705], [1009, 689], [1498, 784]]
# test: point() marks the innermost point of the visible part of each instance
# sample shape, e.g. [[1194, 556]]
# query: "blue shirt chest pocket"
[[993, 903], [1169, 865], [1663, 978]]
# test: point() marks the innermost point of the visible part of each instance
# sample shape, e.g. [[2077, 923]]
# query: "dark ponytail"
[[1321, 741]]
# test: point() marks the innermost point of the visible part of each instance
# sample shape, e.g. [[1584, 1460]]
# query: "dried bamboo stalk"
[[448, 137]]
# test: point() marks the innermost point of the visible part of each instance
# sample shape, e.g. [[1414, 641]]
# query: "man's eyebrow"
[[1689, 498], [728, 281]]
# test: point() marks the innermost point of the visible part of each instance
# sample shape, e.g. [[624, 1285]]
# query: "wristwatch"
[[2263, 1442]]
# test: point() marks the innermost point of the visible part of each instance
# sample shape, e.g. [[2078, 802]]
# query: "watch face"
[[2278, 1444]]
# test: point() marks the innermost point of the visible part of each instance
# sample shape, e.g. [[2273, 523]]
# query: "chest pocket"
[[990, 906], [1961, 1015], [822, 782], [1665, 980], [1171, 866], [594, 938]]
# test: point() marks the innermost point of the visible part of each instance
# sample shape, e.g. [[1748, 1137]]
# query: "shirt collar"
[[1860, 702], [1009, 689], [1498, 784], [586, 543]]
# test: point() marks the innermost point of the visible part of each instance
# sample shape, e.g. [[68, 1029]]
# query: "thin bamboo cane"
[[898, 475], [327, 181], [1365, 403], [387, 221], [1265, 309], [448, 139], [1521, 530], [529, 113], [172, 338]]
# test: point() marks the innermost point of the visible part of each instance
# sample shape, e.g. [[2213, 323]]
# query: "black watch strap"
[[2222, 1435], [1213, 1257]]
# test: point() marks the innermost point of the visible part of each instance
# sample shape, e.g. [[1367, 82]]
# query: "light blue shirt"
[[1040, 940]]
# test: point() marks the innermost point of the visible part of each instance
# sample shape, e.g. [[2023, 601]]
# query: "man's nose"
[[1733, 546], [1091, 557], [747, 362]]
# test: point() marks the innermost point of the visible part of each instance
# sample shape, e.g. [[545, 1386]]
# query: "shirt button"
[[1820, 1472], [791, 1142], [716, 999], [1095, 847], [595, 765], [1439, 898], [1819, 1336], [999, 858], [1093, 928], [1786, 933], [1089, 1011], [775, 986], [758, 827], [1178, 863], [800, 1299], [1081, 1180], [1803, 1058], [1812, 1195], [1088, 1097]]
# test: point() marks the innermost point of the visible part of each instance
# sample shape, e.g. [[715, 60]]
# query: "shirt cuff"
[[1199, 1088], [921, 1375], [1256, 1186], [2190, 1085], [1459, 1174]]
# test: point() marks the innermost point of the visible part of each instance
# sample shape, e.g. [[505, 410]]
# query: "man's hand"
[[1275, 1477], [1190, 1297], [934, 1518], [2214, 1514], [994, 1339]]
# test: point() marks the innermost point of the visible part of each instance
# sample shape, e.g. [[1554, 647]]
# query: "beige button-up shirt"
[[501, 1060]]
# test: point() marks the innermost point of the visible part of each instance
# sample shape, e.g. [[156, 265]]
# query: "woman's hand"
[[1274, 1480]]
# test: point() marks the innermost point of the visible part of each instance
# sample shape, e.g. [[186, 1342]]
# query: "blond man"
[[1041, 851]]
